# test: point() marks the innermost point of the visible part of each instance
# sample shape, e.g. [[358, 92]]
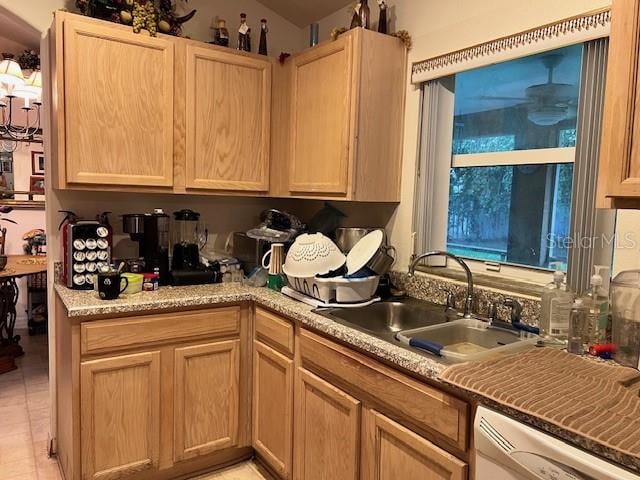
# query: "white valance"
[[570, 31]]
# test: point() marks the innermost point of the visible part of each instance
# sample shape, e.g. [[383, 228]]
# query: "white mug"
[[276, 253]]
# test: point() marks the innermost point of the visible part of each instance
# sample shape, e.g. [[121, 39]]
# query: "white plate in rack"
[[363, 251]]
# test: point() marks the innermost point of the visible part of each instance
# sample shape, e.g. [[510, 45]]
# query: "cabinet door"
[[273, 408], [390, 452], [327, 431], [206, 398], [228, 110], [322, 115], [118, 106], [120, 415], [619, 172]]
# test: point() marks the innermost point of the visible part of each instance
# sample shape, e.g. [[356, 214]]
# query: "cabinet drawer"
[[118, 334], [274, 330], [439, 415]]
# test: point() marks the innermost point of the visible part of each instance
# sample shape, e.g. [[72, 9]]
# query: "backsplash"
[[435, 289]]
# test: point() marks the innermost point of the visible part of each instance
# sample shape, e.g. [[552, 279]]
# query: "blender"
[[189, 237]]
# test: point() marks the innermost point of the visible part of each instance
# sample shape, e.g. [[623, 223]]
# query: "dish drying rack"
[[315, 303]]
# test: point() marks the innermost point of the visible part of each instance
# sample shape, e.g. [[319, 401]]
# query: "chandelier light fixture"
[[19, 94]]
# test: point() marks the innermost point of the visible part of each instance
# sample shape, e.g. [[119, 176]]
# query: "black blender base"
[[192, 277]]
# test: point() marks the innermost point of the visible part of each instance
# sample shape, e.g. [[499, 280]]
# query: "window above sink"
[[498, 183]]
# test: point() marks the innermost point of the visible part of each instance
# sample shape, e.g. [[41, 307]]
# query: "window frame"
[[536, 276], [538, 156]]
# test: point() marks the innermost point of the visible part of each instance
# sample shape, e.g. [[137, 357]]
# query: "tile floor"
[[24, 415], [24, 421]]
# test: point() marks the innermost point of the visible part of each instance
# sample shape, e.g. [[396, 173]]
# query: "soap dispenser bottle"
[[589, 320], [599, 295], [556, 308]]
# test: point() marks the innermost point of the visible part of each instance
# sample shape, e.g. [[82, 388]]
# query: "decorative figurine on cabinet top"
[[220, 32], [382, 21], [356, 21], [262, 48], [244, 34], [365, 14]]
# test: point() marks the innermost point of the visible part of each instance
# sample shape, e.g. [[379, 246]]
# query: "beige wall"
[[439, 27], [8, 45], [627, 253], [283, 35], [36, 13]]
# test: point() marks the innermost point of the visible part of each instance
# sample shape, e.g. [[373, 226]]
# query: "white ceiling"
[[304, 12]]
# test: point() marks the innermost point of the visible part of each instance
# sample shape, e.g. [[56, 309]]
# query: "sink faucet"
[[468, 303]]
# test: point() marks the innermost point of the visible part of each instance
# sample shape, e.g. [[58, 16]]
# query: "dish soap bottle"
[[556, 308], [599, 294], [589, 320]]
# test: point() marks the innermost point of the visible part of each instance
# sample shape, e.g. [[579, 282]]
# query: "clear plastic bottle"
[[599, 295], [556, 308], [589, 319], [579, 328]]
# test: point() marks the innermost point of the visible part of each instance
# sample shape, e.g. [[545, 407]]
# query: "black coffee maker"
[[189, 237], [151, 231]]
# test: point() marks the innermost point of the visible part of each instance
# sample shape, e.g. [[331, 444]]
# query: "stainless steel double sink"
[[429, 324]]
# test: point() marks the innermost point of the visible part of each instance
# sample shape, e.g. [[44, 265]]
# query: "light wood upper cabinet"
[[228, 113], [120, 415], [132, 113], [321, 98], [118, 106], [273, 408], [391, 451], [164, 114], [619, 171], [327, 431], [207, 398], [338, 115]]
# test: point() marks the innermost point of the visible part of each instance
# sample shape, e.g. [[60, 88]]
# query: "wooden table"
[[17, 266]]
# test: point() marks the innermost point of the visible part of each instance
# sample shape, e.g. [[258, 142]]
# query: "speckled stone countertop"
[[86, 304]]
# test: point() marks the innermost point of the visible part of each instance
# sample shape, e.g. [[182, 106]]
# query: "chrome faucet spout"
[[468, 304]]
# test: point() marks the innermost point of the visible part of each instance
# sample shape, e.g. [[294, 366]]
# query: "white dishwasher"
[[509, 450]]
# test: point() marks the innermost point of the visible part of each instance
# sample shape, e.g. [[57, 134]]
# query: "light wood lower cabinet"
[[273, 375], [327, 431], [173, 405], [120, 415], [391, 451], [153, 397], [206, 404]]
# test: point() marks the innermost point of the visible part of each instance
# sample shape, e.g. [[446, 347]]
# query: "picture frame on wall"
[[37, 163], [36, 184]]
